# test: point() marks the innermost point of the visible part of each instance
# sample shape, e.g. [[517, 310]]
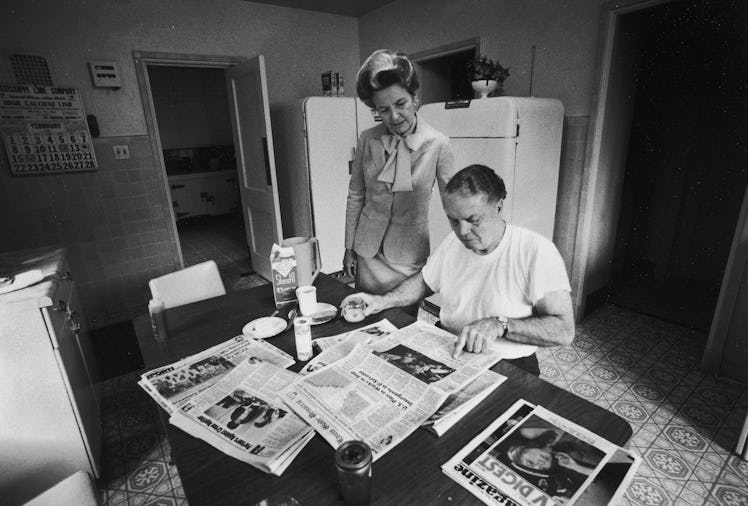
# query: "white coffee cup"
[[307, 296]]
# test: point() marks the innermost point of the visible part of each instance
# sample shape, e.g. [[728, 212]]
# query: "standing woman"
[[393, 173]]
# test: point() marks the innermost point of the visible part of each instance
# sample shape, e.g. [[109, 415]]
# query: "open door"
[[253, 143]]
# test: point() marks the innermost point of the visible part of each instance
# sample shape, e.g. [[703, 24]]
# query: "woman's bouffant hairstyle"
[[383, 69], [478, 179]]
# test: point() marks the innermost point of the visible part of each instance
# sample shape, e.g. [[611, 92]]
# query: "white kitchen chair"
[[191, 284]]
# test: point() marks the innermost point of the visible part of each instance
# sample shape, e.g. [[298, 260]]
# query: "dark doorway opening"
[[686, 164]]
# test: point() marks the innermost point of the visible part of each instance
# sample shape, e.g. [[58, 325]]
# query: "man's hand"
[[350, 263], [478, 336], [372, 303]]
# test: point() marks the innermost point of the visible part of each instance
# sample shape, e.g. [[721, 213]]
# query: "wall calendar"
[[44, 130]]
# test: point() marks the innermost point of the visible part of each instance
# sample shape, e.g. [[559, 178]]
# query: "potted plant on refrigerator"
[[488, 76]]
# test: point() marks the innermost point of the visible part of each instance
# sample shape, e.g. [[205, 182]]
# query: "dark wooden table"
[[408, 474]]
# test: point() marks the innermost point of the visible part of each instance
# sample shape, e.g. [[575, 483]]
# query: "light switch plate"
[[121, 152]]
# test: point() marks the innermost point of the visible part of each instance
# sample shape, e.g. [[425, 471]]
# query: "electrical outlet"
[[121, 152]]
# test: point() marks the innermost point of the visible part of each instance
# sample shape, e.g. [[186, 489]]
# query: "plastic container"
[[302, 330]]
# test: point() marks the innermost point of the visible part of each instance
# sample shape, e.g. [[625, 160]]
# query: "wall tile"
[[114, 222]]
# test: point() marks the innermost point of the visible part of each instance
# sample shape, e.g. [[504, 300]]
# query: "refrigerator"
[[315, 142], [520, 138]]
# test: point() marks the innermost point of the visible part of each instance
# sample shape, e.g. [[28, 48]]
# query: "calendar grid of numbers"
[[44, 130]]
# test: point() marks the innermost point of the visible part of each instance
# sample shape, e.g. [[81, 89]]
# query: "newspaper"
[[242, 416], [336, 347], [529, 455], [463, 401], [378, 329], [174, 384], [382, 391]]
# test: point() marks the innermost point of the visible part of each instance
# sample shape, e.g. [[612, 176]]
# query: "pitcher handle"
[[317, 259]]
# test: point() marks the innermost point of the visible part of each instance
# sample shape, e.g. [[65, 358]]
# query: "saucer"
[[323, 314], [262, 328]]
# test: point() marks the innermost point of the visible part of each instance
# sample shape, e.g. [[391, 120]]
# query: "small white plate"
[[324, 307], [262, 328]]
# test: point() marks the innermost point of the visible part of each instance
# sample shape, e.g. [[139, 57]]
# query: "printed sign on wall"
[[44, 130]]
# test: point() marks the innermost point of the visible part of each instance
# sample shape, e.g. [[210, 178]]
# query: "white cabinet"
[[50, 414], [204, 193]]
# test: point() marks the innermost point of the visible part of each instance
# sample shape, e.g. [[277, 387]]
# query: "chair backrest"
[[191, 284]]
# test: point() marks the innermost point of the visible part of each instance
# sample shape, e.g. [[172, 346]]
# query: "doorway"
[[685, 172], [443, 71], [193, 124]]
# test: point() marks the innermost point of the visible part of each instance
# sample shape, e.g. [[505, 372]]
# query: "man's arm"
[[408, 292], [551, 324]]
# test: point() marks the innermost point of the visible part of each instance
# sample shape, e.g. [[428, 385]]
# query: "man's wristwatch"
[[504, 321]]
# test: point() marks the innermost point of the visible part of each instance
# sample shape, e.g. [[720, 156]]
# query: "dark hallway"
[[686, 164]]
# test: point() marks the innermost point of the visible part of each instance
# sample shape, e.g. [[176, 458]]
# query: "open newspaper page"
[[382, 391], [174, 384], [461, 402], [529, 455], [425, 352], [242, 416], [377, 329], [336, 347]]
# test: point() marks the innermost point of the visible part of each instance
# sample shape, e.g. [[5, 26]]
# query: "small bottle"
[[353, 464], [303, 333], [157, 310], [341, 86]]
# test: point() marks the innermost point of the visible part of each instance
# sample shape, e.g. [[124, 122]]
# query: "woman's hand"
[[350, 263], [567, 461]]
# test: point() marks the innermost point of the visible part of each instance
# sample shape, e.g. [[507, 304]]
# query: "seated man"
[[497, 280]]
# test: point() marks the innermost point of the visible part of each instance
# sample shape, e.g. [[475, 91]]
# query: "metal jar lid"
[[353, 455]]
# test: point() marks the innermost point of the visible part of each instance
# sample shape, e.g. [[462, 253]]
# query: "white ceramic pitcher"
[[308, 259]]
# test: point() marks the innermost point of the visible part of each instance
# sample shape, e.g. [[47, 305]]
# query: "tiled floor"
[[219, 238], [685, 422]]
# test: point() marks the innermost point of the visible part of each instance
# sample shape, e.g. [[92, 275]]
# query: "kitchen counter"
[[54, 267]]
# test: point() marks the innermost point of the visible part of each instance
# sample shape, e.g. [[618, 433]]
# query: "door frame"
[[599, 116], [142, 60]]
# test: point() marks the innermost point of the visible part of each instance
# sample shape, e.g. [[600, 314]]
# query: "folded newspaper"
[[383, 389], [531, 456], [174, 384], [228, 396], [242, 416], [458, 404]]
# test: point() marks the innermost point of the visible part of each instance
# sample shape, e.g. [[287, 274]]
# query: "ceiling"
[[355, 8]]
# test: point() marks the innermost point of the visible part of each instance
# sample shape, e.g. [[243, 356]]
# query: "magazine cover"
[[531, 456]]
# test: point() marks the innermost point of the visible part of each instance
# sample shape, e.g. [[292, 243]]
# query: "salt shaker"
[[157, 310], [353, 464]]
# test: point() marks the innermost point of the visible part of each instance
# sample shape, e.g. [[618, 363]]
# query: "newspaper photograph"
[[530, 455], [336, 347], [425, 352], [174, 384], [382, 391], [461, 402], [377, 329], [242, 416]]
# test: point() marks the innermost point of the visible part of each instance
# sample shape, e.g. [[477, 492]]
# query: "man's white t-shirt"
[[508, 281]]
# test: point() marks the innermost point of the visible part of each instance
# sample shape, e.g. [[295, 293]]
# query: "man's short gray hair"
[[478, 179]]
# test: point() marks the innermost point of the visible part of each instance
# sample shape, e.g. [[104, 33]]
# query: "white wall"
[[115, 221], [564, 33], [298, 45]]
